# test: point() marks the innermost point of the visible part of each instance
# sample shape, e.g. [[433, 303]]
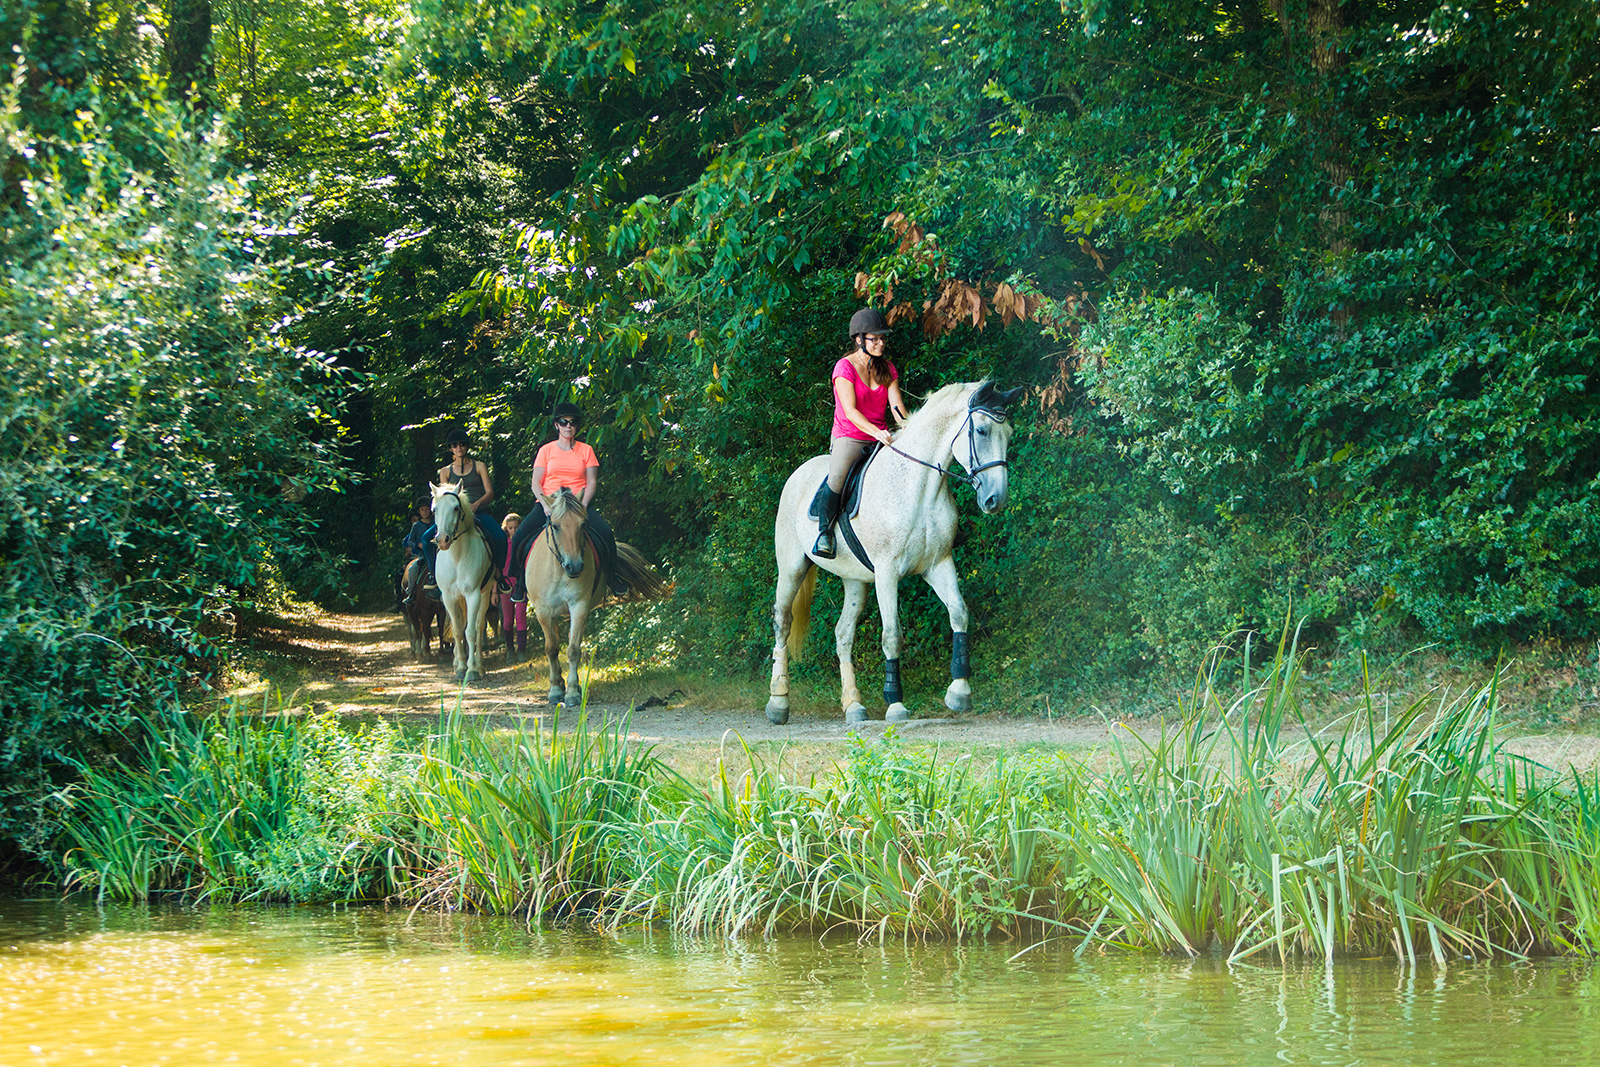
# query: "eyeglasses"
[[565, 422], [876, 337]]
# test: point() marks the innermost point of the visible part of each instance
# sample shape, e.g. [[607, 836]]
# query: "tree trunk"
[[188, 48]]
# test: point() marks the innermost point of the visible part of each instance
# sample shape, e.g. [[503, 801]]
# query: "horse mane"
[[939, 402], [566, 501]]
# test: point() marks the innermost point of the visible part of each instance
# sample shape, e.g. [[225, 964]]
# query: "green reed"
[[897, 842], [229, 805], [1243, 827], [525, 823]]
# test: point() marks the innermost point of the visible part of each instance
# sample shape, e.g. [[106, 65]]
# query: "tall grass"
[[527, 824], [897, 843], [1242, 827], [232, 805]]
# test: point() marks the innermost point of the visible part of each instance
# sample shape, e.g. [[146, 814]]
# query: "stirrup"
[[824, 548], [519, 593], [432, 589]]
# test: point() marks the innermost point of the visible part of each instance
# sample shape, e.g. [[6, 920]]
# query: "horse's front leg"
[[580, 617], [552, 649], [888, 587], [844, 640], [942, 576], [478, 608], [456, 608]]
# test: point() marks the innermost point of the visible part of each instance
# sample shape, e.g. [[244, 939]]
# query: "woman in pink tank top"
[[866, 395]]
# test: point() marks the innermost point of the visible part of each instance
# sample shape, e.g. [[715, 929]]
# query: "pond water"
[[120, 985]]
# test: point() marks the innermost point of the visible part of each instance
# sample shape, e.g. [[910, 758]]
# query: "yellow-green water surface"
[[80, 985]]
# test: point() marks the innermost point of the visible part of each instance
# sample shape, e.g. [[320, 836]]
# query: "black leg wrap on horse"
[[891, 682], [960, 664]]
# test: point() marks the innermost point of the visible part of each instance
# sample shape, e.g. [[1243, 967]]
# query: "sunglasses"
[[565, 422]]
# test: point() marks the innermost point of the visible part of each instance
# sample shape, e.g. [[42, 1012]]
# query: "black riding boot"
[[511, 648], [826, 514]]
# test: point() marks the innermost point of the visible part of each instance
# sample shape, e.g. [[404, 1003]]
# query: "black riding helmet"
[[868, 320], [567, 411], [457, 437]]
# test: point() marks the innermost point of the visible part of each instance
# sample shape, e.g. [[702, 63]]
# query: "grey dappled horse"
[[906, 524]]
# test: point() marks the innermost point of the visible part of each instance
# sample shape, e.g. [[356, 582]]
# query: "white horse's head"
[[975, 424], [451, 517]]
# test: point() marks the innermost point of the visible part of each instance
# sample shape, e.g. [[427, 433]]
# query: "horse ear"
[[1008, 396], [981, 398]]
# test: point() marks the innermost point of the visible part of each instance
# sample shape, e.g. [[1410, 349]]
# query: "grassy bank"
[[1406, 831]]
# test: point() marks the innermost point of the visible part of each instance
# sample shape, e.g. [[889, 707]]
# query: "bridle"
[[454, 532], [998, 414], [555, 549]]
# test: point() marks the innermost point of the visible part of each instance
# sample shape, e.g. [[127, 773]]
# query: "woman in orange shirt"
[[566, 463]]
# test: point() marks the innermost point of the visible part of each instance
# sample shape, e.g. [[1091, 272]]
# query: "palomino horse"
[[462, 573], [564, 574], [905, 525]]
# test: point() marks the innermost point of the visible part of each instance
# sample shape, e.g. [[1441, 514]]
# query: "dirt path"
[[360, 665]]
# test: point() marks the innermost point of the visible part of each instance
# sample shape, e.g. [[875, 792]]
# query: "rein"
[[971, 476]]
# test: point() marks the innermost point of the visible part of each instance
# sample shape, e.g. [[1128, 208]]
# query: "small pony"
[[463, 573], [563, 573], [422, 611]]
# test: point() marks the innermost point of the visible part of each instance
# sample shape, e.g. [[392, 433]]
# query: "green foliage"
[[160, 429], [234, 806]]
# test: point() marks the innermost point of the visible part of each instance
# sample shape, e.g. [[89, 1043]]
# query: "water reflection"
[[80, 985]]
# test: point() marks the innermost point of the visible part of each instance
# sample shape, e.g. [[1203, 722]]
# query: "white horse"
[[906, 524], [463, 574]]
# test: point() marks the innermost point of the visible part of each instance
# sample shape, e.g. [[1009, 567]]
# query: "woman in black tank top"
[[477, 486]]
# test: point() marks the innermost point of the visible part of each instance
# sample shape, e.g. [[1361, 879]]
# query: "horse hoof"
[[855, 713], [958, 701], [778, 711], [473, 676], [556, 696], [897, 713]]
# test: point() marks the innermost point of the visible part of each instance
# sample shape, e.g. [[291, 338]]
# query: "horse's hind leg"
[[844, 640], [789, 583], [942, 576]]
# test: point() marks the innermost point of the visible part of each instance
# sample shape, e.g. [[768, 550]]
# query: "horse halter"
[[994, 406]]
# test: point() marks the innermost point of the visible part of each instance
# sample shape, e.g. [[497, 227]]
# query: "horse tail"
[[644, 582], [800, 614]]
